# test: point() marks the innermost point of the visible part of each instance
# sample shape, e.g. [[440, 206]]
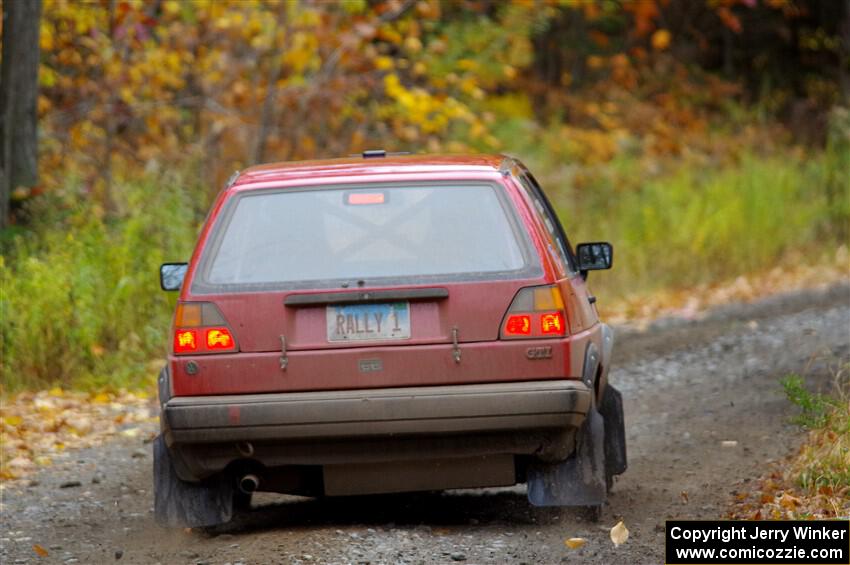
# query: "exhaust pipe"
[[249, 483]]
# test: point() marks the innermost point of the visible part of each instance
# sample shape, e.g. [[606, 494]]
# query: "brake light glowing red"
[[535, 312], [518, 325], [200, 328], [185, 341], [366, 198], [552, 323], [219, 338]]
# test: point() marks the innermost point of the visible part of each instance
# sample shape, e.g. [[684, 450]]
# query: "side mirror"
[[171, 275], [594, 256]]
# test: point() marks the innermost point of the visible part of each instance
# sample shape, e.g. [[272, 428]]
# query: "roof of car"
[[357, 166]]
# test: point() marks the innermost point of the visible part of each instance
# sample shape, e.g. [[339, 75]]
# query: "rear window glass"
[[295, 237]]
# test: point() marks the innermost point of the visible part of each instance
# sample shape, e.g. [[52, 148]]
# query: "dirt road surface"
[[688, 386]]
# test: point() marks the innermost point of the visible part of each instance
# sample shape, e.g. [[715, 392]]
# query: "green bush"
[[80, 303], [814, 408]]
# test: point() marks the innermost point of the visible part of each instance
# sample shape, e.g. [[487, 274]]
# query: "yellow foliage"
[[383, 63], [191, 81], [101, 398], [595, 62], [413, 44], [661, 39]]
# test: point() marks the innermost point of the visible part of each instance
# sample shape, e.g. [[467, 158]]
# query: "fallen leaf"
[[789, 502], [575, 543], [44, 404], [769, 486], [684, 495], [729, 443], [101, 398], [39, 550], [80, 424], [20, 462], [43, 460], [619, 533], [13, 421]]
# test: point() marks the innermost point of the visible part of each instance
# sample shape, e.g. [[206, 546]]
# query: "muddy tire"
[[580, 479], [181, 504]]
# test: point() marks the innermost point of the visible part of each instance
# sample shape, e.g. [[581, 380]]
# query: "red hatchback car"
[[385, 324]]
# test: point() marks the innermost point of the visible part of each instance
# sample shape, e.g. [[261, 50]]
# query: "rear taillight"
[[219, 338], [199, 328], [518, 324], [185, 341], [536, 311]]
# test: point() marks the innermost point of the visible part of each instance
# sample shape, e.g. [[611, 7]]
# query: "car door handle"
[[591, 299]]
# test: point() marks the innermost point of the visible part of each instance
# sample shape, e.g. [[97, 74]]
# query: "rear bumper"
[[361, 413], [327, 427]]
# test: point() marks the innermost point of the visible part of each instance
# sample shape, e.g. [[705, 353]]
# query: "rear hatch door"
[[369, 286]]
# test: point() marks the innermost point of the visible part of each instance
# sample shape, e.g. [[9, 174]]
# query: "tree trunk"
[[18, 100]]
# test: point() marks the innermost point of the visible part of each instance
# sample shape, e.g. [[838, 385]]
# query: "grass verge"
[[813, 483]]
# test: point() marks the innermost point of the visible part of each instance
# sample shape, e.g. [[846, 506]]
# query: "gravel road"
[[688, 386]]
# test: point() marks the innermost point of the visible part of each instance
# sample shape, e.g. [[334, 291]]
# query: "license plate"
[[364, 322]]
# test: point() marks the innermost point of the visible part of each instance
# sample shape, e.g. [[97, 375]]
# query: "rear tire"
[[181, 504]]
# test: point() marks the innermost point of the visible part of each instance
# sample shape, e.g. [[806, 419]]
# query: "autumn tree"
[[131, 87], [18, 99]]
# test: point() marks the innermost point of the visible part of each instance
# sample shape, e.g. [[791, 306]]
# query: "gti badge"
[[370, 365], [534, 353]]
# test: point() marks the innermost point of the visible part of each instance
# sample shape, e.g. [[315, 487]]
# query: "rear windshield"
[[322, 237]]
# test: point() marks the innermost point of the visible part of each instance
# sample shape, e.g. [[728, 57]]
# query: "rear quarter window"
[[322, 237]]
